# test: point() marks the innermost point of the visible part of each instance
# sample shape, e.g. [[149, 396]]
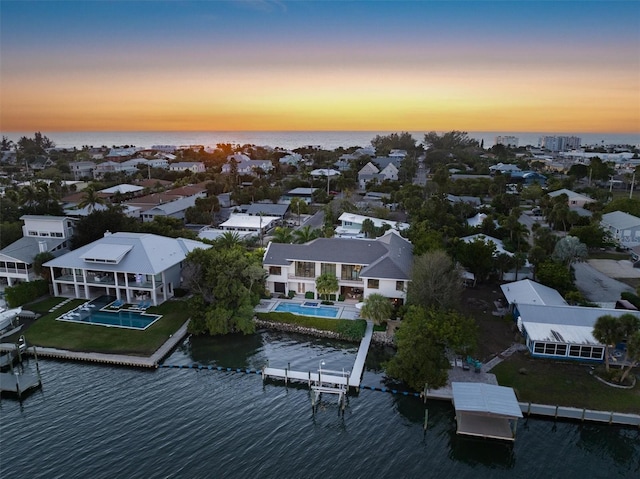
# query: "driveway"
[[615, 269], [597, 286]]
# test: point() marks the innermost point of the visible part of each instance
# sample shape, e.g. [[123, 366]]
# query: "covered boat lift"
[[486, 410]]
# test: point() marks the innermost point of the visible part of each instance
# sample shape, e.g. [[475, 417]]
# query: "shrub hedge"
[[23, 293]]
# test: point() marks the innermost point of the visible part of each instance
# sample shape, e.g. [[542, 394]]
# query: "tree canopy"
[[568, 250], [326, 284], [451, 140], [395, 141], [422, 340], [227, 284], [377, 308], [435, 281]]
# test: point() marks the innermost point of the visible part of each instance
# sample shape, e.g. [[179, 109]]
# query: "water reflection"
[[233, 350], [617, 443], [489, 453]]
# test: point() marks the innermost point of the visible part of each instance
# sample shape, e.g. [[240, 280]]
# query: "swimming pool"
[[90, 313], [322, 311]]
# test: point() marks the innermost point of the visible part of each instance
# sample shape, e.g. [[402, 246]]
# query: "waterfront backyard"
[[47, 331], [563, 383]]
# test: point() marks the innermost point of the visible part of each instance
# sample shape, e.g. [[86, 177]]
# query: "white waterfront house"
[[41, 234], [363, 267], [129, 266]]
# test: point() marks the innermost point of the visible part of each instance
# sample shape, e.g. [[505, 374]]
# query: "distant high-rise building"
[[560, 143], [508, 141]]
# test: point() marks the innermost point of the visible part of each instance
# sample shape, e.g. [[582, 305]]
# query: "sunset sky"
[[298, 65]]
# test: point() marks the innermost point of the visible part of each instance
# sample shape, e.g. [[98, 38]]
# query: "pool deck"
[[346, 310]]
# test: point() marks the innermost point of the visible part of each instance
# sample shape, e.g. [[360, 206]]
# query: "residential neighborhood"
[[390, 234]]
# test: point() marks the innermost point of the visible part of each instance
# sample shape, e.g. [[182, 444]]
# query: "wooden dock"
[[18, 383], [338, 379], [112, 359]]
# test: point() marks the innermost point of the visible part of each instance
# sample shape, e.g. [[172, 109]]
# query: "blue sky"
[[311, 65]]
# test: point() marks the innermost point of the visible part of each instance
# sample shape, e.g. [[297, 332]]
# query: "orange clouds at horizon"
[[320, 98]]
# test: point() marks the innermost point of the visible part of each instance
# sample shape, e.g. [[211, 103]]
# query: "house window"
[[373, 283], [277, 270], [399, 285], [351, 272], [586, 352], [305, 269], [328, 268]]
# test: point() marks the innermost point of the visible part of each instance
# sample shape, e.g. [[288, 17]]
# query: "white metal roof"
[[486, 399], [530, 292], [106, 253], [568, 315], [572, 195], [123, 188], [248, 221], [560, 333], [150, 254], [359, 219], [620, 220]]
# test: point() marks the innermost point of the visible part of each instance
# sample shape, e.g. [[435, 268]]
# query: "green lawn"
[[47, 332], [564, 384]]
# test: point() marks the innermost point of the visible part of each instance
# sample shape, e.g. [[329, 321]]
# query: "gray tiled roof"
[[27, 247], [269, 209], [389, 256]]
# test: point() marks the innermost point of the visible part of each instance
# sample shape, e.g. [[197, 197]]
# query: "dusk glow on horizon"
[[360, 65]]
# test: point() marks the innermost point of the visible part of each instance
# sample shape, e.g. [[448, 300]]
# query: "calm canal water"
[[93, 421]]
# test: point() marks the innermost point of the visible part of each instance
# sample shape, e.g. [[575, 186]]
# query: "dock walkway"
[[325, 376]]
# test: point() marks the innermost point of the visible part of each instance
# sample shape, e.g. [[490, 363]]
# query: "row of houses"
[[134, 266]]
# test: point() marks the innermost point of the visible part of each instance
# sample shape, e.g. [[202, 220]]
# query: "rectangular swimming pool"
[[90, 313], [322, 311]]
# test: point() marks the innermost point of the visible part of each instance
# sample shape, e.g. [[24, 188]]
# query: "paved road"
[[597, 286]]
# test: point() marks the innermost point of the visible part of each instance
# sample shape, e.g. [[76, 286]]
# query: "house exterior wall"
[[128, 286], [574, 352], [55, 227], [303, 284]]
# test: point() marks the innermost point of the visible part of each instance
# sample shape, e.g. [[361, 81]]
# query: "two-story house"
[[363, 267], [193, 166], [128, 266], [41, 234]]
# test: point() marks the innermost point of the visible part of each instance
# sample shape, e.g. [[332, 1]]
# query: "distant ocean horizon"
[[290, 140]]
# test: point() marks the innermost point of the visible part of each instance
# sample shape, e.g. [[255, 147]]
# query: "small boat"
[[8, 317]]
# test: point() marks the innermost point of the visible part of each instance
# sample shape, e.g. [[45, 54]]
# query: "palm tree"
[[28, 195], [228, 239], [305, 234], [633, 353], [91, 199], [282, 235], [607, 331], [377, 308], [326, 284]]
